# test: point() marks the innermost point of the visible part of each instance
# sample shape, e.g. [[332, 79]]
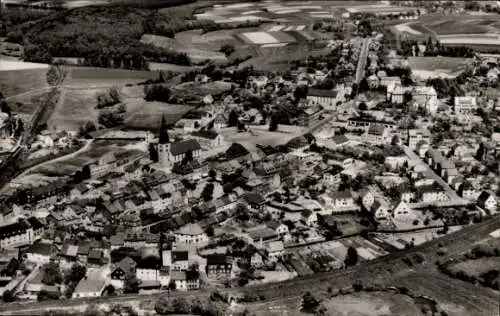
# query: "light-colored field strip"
[[6, 65], [289, 28], [251, 12], [319, 12], [238, 5], [288, 11], [470, 40], [300, 27], [306, 7], [274, 45], [495, 234], [406, 28], [276, 28], [322, 16], [260, 37]]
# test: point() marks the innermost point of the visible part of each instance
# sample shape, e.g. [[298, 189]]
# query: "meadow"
[[15, 82], [437, 66]]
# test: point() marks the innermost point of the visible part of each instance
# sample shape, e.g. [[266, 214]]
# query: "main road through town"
[[360, 70], [456, 242]]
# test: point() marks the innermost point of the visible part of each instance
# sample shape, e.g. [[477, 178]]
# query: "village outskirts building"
[[328, 99], [191, 234]]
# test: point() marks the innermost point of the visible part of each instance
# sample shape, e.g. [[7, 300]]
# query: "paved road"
[[460, 240], [455, 200], [360, 70]]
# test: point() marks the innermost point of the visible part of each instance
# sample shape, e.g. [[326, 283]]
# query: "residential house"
[[487, 200], [373, 81], [376, 134], [95, 257], [209, 139], [39, 253], [16, 235], [402, 212], [280, 228], [406, 193], [415, 136], [191, 234], [465, 105], [309, 218], [326, 98], [432, 194], [367, 198], [68, 255], [124, 267], [256, 260], [390, 81], [275, 250], [179, 261], [89, 287], [255, 201], [185, 280], [104, 165], [381, 210], [219, 266], [467, 191], [342, 200]]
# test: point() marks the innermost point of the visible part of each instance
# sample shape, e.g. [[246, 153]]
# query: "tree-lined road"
[[363, 55]]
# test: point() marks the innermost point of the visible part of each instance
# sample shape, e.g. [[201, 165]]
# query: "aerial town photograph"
[[249, 158]]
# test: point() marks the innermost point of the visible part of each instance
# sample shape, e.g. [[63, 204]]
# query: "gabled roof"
[[483, 197], [346, 194], [253, 198], [216, 259], [190, 229], [180, 256], [127, 264], [182, 147], [35, 223], [340, 139], [205, 134], [41, 249]]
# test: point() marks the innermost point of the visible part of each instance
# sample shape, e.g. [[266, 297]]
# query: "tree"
[[8, 296], [181, 306], [153, 153], [362, 106], [208, 192], [395, 140], [163, 306], [300, 92], [76, 273], [131, 284], [363, 85], [157, 92], [188, 157], [5, 108], [309, 303], [273, 125], [52, 75], [172, 286], [352, 257], [212, 174], [110, 119], [86, 174], [52, 274], [481, 151], [233, 119]]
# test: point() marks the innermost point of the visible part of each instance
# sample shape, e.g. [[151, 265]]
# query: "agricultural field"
[[147, 115], [445, 65], [92, 77], [481, 31], [454, 296], [67, 167], [475, 268], [15, 82], [27, 103]]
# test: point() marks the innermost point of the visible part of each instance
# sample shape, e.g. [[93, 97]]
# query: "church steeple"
[[163, 137]]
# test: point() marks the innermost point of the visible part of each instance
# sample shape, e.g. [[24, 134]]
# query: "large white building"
[[170, 153], [465, 105], [191, 234], [328, 99], [415, 136]]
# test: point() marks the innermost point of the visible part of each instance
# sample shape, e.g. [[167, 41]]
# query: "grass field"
[[477, 267], [106, 77], [26, 104], [147, 115], [14, 82], [68, 166], [429, 67]]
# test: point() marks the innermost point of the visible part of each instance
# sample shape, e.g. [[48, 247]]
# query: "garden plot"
[[429, 67], [93, 77], [259, 38], [147, 115]]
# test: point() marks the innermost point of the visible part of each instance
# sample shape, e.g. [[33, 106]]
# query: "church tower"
[[164, 145]]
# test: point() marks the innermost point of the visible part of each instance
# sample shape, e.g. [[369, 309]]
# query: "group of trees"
[[107, 37], [434, 48], [157, 92], [71, 279], [166, 306], [108, 98]]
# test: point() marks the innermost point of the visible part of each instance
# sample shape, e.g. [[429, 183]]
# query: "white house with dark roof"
[[326, 98], [191, 234], [487, 201], [209, 139], [89, 287]]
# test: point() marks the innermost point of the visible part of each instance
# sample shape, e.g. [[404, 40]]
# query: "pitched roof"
[[182, 147], [180, 256], [253, 198], [340, 139], [485, 195], [214, 259], [41, 249], [88, 285], [346, 194], [375, 129], [35, 223], [205, 134], [13, 229], [190, 229]]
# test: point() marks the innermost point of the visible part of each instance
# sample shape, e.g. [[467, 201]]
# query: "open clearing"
[[6, 65], [147, 115], [68, 166], [406, 28], [15, 82], [27, 103], [429, 67], [477, 267], [93, 77]]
